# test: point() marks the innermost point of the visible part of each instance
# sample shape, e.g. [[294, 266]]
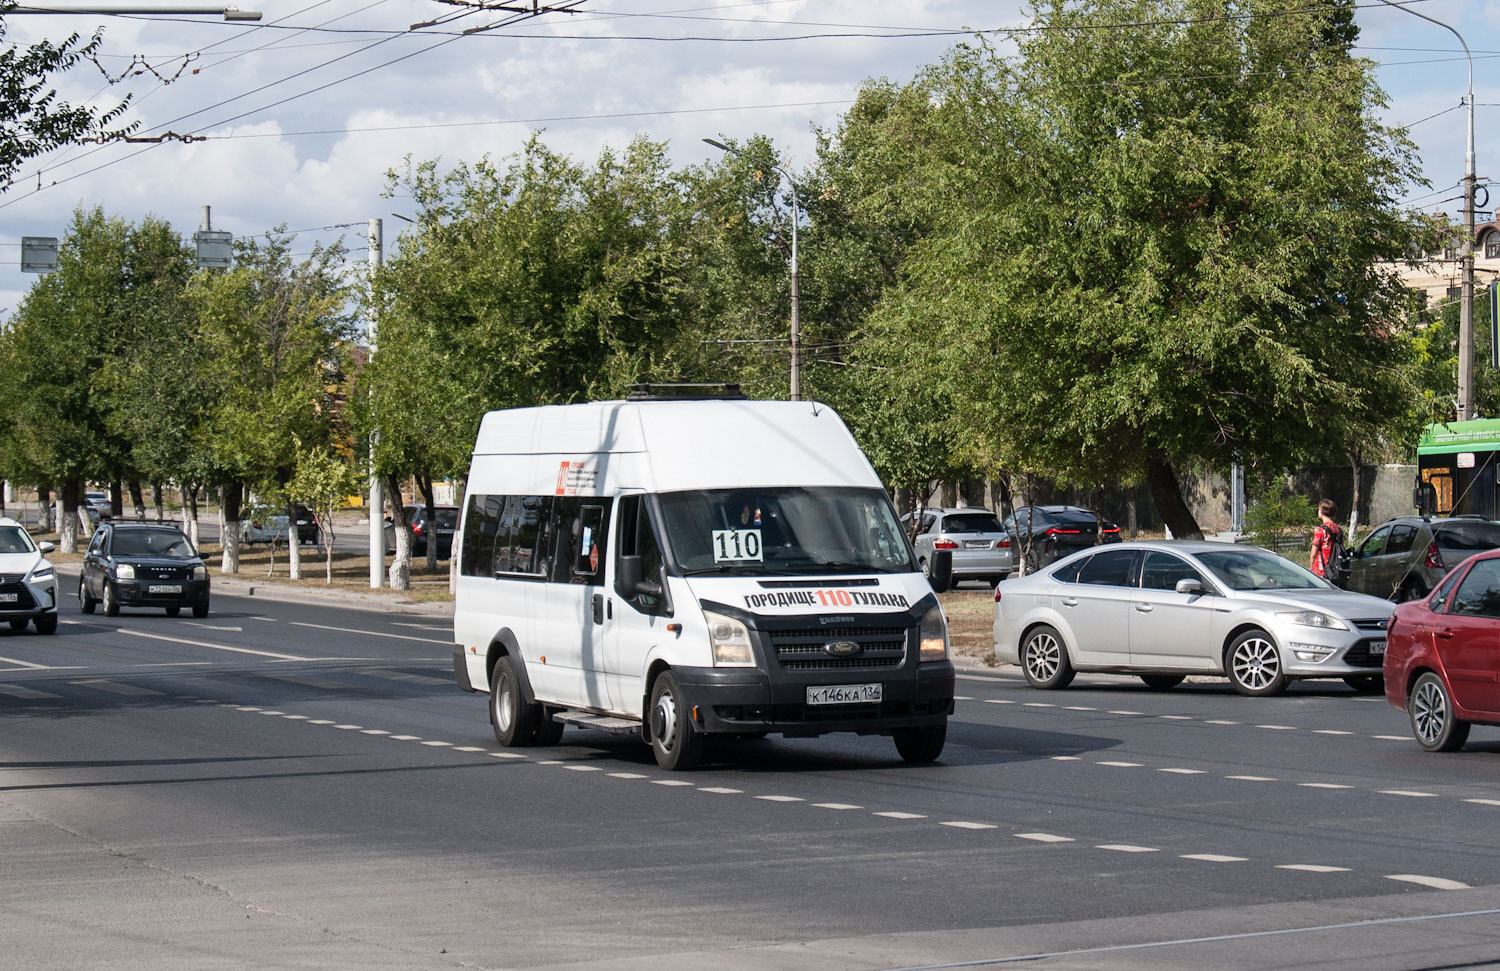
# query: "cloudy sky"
[[304, 112]]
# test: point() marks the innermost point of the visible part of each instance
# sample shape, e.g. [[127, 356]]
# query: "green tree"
[[323, 480], [1161, 250]]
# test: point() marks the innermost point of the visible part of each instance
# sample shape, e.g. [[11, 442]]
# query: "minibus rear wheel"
[[923, 744], [673, 741], [513, 717]]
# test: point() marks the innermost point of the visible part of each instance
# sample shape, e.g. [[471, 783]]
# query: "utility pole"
[[377, 497]]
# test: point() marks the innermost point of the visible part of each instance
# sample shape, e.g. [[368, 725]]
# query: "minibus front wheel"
[[514, 718], [922, 744], [673, 741]]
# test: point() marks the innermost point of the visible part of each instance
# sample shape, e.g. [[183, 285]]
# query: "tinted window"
[[1469, 537], [1161, 571], [1444, 590], [1479, 593], [1110, 568], [1074, 516], [153, 542], [1400, 539], [588, 528], [479, 535], [971, 523], [1374, 542], [13, 539]]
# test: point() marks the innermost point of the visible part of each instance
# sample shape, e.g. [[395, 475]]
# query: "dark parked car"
[[1406, 557], [143, 565], [1441, 663], [447, 522], [1053, 532]]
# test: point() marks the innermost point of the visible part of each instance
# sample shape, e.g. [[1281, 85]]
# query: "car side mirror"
[[1189, 586], [45, 547]]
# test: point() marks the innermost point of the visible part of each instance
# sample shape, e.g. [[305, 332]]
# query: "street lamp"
[[796, 321], [1466, 301]]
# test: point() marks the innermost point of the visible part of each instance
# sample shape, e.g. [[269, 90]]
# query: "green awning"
[[1448, 438]]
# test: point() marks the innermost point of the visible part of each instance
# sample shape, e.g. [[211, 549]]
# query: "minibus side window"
[[479, 534], [564, 515], [637, 538], [589, 544], [504, 558]]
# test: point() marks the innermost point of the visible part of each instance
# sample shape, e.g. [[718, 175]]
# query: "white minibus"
[[679, 568]]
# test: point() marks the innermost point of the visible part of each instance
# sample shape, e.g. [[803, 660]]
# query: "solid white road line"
[[372, 633], [217, 647], [26, 664]]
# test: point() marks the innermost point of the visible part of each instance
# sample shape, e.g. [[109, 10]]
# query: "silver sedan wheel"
[[1044, 659], [1255, 665]]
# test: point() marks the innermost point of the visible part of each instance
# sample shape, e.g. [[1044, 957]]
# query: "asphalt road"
[[300, 785]]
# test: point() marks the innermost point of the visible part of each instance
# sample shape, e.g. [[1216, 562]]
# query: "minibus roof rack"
[[718, 391]]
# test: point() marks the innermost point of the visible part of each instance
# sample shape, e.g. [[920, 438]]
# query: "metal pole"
[[377, 491], [1466, 301], [796, 388]]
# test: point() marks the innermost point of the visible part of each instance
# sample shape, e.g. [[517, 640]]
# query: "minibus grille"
[[801, 649]]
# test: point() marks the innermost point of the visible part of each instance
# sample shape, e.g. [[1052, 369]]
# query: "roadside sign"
[[214, 248], [38, 254]]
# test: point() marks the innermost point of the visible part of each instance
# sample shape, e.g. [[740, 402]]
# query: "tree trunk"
[[190, 512], [70, 504], [137, 500], [1132, 519], [400, 571], [1166, 493], [156, 501], [233, 496], [1354, 464], [116, 500], [424, 483], [44, 513], [293, 543]]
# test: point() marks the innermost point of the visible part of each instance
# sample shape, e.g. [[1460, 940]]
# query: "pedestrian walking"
[[1327, 559]]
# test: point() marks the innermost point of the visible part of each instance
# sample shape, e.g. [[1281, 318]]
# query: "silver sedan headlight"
[[1313, 618]]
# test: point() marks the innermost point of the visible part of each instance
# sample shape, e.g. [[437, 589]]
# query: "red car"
[[1442, 659]]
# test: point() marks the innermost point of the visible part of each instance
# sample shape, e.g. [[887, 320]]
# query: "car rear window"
[[1471, 537], [971, 523], [447, 517], [1074, 516]]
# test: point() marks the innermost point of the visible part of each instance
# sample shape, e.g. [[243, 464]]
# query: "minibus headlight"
[[934, 636], [730, 641]]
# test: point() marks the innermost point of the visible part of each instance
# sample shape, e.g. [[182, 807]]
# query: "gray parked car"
[[980, 548], [1403, 559]]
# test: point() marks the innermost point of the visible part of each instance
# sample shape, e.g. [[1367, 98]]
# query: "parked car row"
[[274, 527], [421, 530]]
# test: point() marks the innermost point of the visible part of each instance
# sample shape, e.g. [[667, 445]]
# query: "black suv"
[[447, 521], [1047, 533], [143, 565]]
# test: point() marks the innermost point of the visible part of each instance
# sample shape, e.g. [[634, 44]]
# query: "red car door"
[[1467, 638]]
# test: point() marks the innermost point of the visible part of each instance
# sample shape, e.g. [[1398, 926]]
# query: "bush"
[[1280, 520]]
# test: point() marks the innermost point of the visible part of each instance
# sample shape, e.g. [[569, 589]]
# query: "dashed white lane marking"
[[1066, 758], [273, 713], [1123, 765], [413, 738], [1393, 738], [1330, 731], [961, 824], [583, 768], [374, 731], [1251, 778], [781, 798], [1436, 883], [626, 775], [468, 748], [422, 626], [115, 688], [721, 790], [1038, 704], [319, 721], [1184, 771], [998, 701], [1078, 708], [889, 815], [1312, 868], [836, 805], [349, 728], [962, 698], [1176, 718], [295, 718], [1406, 792], [1484, 802], [1123, 713], [439, 744], [269, 620], [1044, 837], [502, 755], [553, 762], [1127, 848], [216, 647], [1279, 728], [236, 630], [1220, 721], [370, 633], [1214, 858], [253, 708], [669, 782], [29, 694], [1323, 785]]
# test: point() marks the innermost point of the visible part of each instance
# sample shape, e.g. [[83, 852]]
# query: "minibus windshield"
[[758, 531]]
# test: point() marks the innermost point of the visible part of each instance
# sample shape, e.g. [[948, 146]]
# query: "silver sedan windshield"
[[1243, 569]]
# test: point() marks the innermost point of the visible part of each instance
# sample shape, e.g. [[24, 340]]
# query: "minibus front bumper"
[[748, 701]]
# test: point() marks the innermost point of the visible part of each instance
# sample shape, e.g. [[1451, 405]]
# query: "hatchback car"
[[1045, 534], [447, 521], [1442, 666], [267, 528], [1165, 610], [981, 549], [1403, 559], [143, 565], [28, 584]]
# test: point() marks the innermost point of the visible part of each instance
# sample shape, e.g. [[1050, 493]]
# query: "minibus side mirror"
[[631, 583], [940, 570]]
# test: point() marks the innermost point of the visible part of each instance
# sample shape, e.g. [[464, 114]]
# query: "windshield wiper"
[[725, 569]]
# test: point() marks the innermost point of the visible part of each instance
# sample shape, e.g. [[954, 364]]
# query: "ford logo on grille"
[[841, 648]]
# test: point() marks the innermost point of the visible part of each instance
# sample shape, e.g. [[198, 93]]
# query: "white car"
[[1165, 610], [28, 584]]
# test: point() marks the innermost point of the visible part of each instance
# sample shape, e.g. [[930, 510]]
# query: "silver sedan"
[[1165, 610]]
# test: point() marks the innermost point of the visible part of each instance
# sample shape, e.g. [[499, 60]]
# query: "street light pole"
[[1466, 299], [796, 391], [377, 491]]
